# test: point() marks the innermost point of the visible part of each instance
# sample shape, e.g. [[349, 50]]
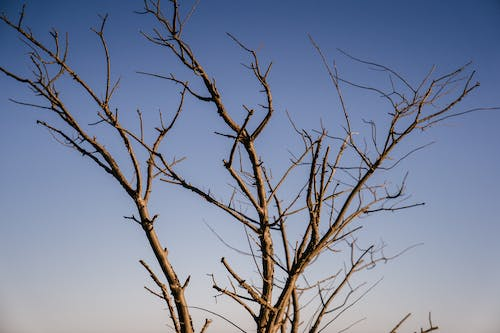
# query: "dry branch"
[[339, 175]]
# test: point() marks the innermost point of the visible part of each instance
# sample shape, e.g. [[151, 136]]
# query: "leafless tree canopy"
[[286, 234]]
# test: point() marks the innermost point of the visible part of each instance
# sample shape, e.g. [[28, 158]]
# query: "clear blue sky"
[[69, 261]]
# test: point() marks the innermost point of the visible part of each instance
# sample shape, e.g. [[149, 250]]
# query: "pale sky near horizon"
[[69, 261]]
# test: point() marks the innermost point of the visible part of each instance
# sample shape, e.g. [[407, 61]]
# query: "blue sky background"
[[69, 261]]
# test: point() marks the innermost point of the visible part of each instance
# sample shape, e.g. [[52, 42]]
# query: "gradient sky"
[[69, 261]]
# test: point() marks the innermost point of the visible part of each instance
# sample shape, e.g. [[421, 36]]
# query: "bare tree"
[[339, 174]]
